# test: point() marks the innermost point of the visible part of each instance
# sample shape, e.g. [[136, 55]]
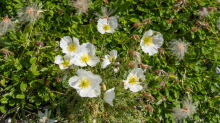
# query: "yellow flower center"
[[44, 119], [85, 58], [66, 63], [133, 80], [111, 58], [148, 40], [106, 27], [72, 47], [84, 83]]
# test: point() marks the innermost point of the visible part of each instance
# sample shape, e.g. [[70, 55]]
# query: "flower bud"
[[38, 43], [188, 90], [194, 29], [103, 87], [135, 37], [163, 98], [137, 24], [205, 25], [138, 112], [132, 64], [106, 1], [150, 108], [4, 51], [91, 20], [146, 21], [176, 7]]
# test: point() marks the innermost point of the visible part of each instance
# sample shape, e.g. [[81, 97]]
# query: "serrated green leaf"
[[2, 109], [4, 100], [33, 60]]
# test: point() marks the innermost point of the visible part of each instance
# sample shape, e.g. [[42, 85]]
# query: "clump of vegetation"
[[138, 61]]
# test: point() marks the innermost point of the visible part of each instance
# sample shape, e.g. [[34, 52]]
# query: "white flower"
[[6, 24], [109, 96], [151, 41], [116, 66], [108, 26], [44, 117], [134, 79], [64, 64], [86, 83], [69, 45], [109, 58], [187, 110], [178, 48], [86, 56], [105, 12]]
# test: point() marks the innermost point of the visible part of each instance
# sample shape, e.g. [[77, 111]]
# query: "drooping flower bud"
[[137, 24], [194, 29], [103, 87], [135, 37]]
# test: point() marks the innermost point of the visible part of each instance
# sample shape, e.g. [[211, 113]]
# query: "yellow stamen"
[[85, 58], [111, 58], [148, 40], [84, 83], [72, 47], [66, 63], [106, 27], [133, 80]]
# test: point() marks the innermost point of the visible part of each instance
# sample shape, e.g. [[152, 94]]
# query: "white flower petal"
[[105, 63], [51, 121], [65, 41], [100, 24], [93, 61], [113, 53], [148, 34], [58, 59], [73, 80], [135, 87], [113, 22], [109, 96], [40, 114]]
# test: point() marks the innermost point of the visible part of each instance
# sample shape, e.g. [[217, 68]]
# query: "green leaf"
[[12, 102], [33, 60], [17, 64], [4, 100], [34, 69], [2, 109], [135, 20], [20, 96], [23, 86]]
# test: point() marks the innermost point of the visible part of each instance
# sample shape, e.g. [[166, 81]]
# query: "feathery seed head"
[[6, 24], [105, 12], [178, 48], [203, 12], [187, 110], [81, 5], [218, 23]]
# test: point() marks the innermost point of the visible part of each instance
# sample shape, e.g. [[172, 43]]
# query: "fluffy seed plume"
[[178, 48], [5, 25], [218, 23], [30, 14], [187, 110], [203, 12], [105, 13], [81, 5]]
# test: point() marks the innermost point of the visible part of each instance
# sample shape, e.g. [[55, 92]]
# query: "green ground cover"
[[164, 67]]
